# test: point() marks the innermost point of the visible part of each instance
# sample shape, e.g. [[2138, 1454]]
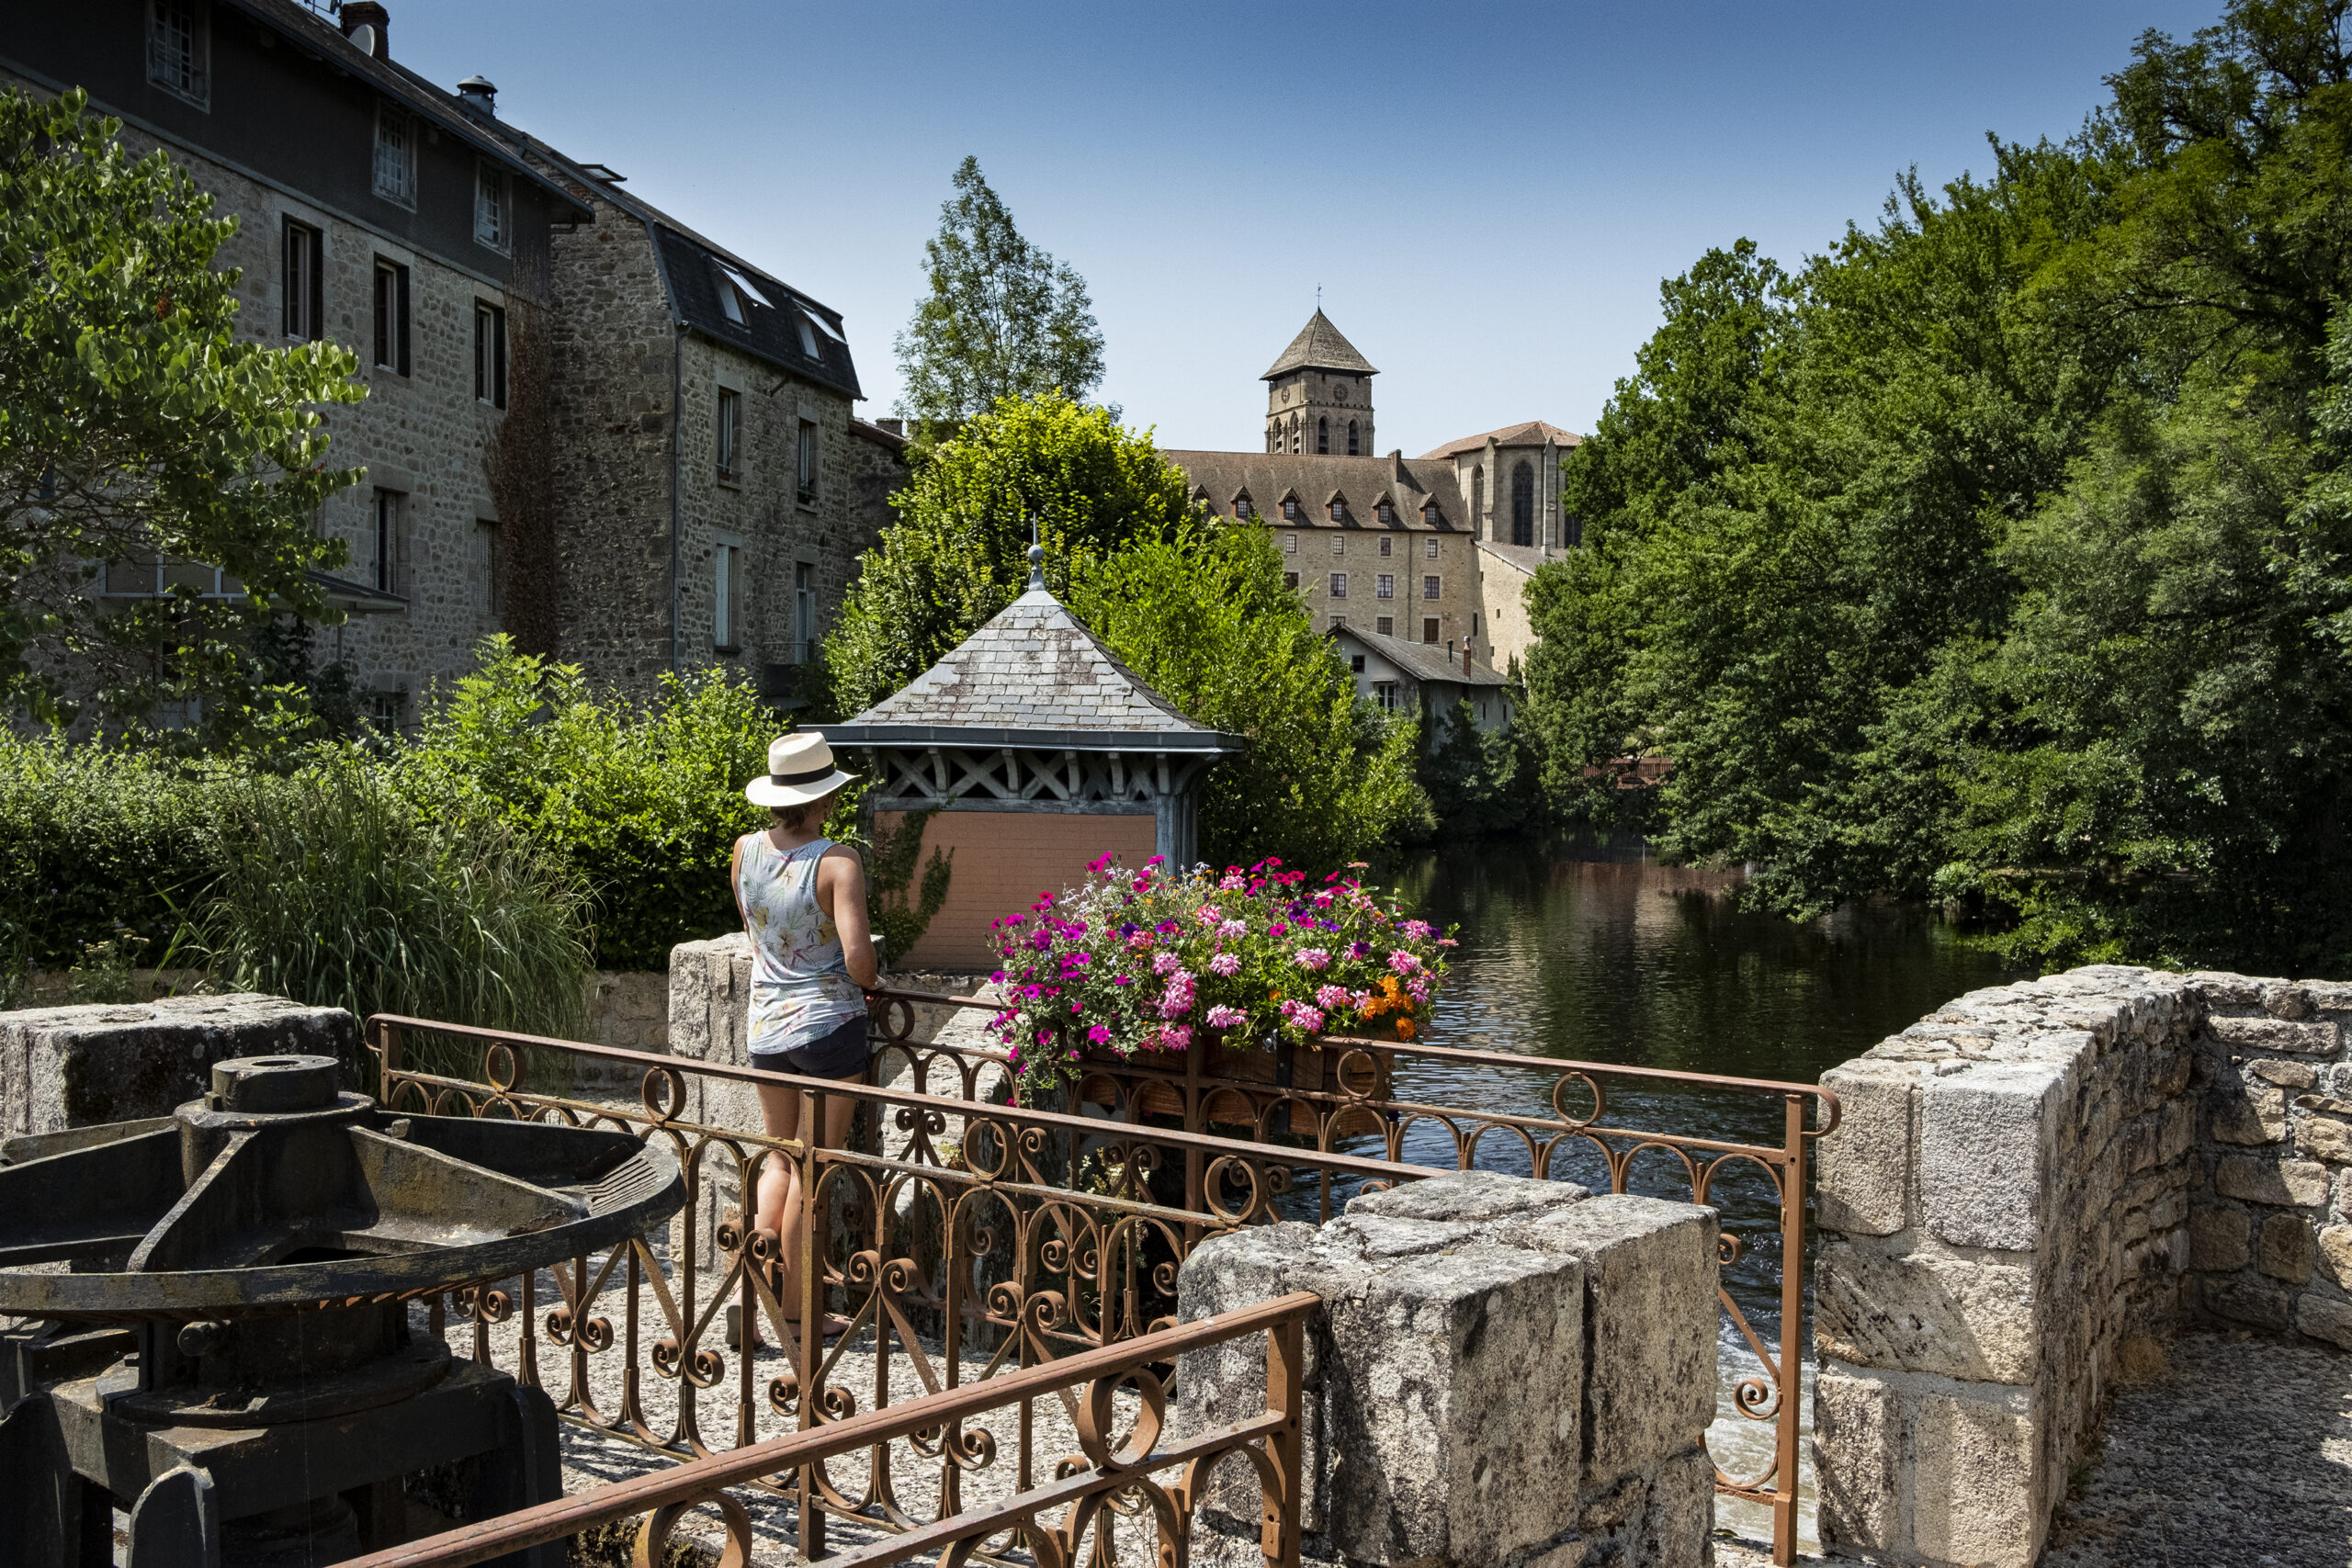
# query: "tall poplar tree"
[[1003, 319]]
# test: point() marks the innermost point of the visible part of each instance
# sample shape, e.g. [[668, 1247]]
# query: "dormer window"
[[1242, 506], [1432, 517], [1290, 510], [179, 49], [1339, 512], [395, 155], [490, 207], [736, 295], [1388, 514], [808, 339]]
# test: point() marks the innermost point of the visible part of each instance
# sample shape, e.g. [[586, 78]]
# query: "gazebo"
[[1040, 751]]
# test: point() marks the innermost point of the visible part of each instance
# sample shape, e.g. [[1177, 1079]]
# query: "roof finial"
[[1318, 296], [1036, 558]]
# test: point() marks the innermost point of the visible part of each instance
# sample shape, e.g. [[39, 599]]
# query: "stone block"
[[1978, 1495], [2178, 1132], [1985, 1137], [80, 1066], [2334, 1259], [2287, 1183], [2241, 1300], [2285, 1251], [2257, 1114], [2324, 1319], [1468, 1197], [2324, 1138], [1857, 1462], [1954, 1316], [2219, 1238], [2274, 1034], [1865, 1165], [1650, 1287], [2286, 1075]]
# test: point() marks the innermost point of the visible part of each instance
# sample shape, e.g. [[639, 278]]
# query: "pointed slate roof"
[[1032, 677], [1533, 433], [1320, 346]]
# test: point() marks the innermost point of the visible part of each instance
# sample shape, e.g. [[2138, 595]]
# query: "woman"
[[803, 901]]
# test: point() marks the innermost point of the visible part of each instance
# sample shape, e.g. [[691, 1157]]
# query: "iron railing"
[[1118, 1467]]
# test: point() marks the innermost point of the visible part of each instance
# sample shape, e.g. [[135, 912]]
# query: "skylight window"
[[736, 292]]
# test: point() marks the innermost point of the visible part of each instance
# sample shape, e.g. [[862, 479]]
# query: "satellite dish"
[[364, 38]]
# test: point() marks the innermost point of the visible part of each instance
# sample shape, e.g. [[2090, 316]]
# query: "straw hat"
[[800, 769]]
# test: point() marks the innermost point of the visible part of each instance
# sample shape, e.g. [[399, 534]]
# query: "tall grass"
[[335, 890]]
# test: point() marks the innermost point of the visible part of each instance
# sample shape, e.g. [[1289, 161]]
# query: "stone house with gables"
[[677, 423]]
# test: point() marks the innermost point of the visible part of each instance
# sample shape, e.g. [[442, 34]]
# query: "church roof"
[[1031, 677], [1534, 432], [1320, 346], [1267, 477]]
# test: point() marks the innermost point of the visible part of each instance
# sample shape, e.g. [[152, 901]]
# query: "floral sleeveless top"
[[800, 986]]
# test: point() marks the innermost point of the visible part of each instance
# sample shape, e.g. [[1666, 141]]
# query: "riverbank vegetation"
[[1999, 554]]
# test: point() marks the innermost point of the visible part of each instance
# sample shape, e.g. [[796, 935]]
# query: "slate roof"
[[1425, 663], [1320, 346], [1534, 432], [1032, 677], [1267, 477]]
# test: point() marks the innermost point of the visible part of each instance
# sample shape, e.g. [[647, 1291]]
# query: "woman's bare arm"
[[841, 893]]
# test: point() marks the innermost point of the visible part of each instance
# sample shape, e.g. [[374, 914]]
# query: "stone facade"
[[1505, 1373], [2029, 1186]]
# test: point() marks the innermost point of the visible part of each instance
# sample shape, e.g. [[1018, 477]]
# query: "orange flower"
[[1404, 1028]]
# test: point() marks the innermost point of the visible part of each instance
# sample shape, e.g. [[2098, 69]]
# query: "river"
[[1595, 952]]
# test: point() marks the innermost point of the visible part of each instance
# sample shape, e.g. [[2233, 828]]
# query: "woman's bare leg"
[[778, 1208]]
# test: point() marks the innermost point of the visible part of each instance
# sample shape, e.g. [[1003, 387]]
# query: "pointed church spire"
[[1320, 346]]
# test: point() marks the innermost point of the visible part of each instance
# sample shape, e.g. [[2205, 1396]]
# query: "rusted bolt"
[[206, 1337]]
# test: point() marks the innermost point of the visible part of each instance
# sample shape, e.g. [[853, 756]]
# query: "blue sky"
[[1488, 195]]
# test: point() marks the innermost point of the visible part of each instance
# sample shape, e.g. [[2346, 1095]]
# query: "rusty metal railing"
[[1119, 1469], [961, 1241], [1354, 1098]]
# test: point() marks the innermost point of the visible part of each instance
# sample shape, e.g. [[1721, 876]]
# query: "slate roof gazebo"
[[1041, 751]]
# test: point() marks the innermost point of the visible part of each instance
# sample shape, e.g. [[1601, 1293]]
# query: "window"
[[1290, 580], [730, 302], [731, 428], [1355, 664], [304, 300], [491, 225], [1339, 544], [1339, 509], [392, 316], [806, 458], [493, 587], [152, 576], [1290, 544], [1386, 625], [1338, 623], [726, 590], [1429, 548], [395, 155], [1290, 512], [804, 613], [1385, 586], [1242, 506], [1432, 515], [1429, 587], [1522, 504], [1429, 628], [808, 339], [1352, 451], [1339, 585], [1387, 515], [387, 542], [179, 51], [489, 354], [1322, 436], [1384, 694], [1478, 503], [385, 710], [1384, 544]]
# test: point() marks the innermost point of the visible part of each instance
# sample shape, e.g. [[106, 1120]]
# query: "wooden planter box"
[[1158, 1080]]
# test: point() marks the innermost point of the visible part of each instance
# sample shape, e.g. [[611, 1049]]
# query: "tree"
[[1002, 319], [133, 425], [1323, 777], [959, 551]]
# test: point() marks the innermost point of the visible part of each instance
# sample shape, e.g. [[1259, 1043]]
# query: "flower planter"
[[1156, 1081]]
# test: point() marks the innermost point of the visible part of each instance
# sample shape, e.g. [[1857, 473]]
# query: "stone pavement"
[[2239, 1454]]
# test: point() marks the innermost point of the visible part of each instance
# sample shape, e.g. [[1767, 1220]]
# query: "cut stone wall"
[[2026, 1183], [1505, 1373], [81, 1066]]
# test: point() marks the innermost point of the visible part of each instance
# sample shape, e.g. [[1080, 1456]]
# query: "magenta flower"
[[1164, 962], [1403, 962], [1314, 958], [1224, 1017], [1100, 1035], [1233, 928], [1331, 998], [1226, 964]]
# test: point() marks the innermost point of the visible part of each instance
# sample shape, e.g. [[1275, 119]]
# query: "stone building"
[[516, 316], [1401, 676], [1435, 550]]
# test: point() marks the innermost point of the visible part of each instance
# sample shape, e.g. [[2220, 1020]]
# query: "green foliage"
[[1997, 553], [1476, 775], [959, 552], [335, 890], [133, 422], [1002, 318], [902, 909], [1204, 619], [644, 803]]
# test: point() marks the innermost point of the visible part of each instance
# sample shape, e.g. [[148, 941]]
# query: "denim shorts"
[[841, 1054]]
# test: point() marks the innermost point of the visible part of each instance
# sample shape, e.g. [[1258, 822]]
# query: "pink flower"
[[1277, 928], [1226, 964], [1403, 962], [1360, 1000], [1322, 900], [1100, 1035], [1163, 963], [1224, 1017], [1420, 929], [1314, 958], [1231, 883], [1208, 914], [1175, 1036], [1331, 998], [1233, 928], [1300, 1016]]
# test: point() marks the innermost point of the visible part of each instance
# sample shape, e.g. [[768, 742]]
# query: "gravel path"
[[2239, 1457]]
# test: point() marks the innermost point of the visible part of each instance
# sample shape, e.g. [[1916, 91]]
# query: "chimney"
[[366, 23], [894, 427], [480, 96], [1465, 658]]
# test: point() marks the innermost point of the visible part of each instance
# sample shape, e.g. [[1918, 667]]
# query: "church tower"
[[1319, 395]]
